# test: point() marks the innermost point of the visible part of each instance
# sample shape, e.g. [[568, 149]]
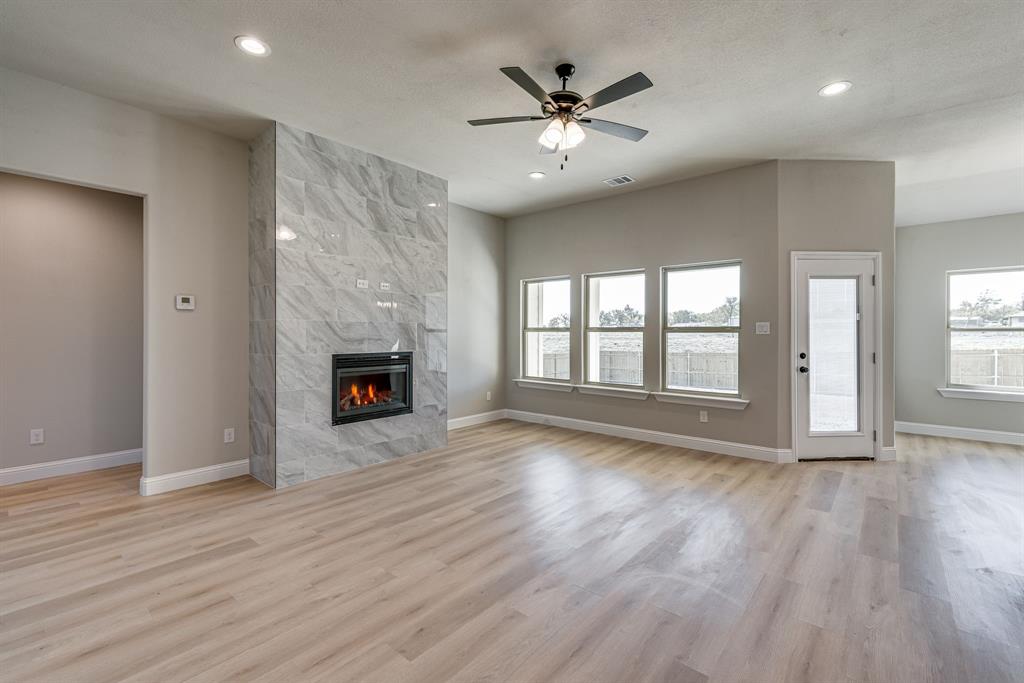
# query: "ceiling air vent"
[[619, 180]]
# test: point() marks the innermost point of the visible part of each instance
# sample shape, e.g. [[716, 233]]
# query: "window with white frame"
[[701, 323], [985, 329], [546, 329], [613, 343]]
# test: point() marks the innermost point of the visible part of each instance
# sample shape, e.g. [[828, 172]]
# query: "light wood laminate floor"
[[528, 553]]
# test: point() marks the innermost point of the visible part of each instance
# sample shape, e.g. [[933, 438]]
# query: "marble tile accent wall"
[[262, 308], [354, 216]]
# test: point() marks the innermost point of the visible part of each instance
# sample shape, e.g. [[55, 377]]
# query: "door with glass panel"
[[834, 358]]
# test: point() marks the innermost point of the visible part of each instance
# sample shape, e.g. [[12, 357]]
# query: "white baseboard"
[[57, 468], [150, 486], [478, 419], [887, 454], [989, 435], [740, 450]]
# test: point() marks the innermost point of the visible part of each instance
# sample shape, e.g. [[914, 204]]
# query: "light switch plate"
[[762, 328], [362, 283], [703, 416], [185, 302], [36, 437], [385, 286]]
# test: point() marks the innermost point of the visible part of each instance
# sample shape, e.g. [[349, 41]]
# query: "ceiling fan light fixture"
[[574, 135], [553, 134]]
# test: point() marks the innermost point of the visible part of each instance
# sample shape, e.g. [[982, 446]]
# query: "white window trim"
[[688, 392], [976, 391], [981, 394], [728, 401], [612, 390], [586, 328], [548, 384], [525, 379]]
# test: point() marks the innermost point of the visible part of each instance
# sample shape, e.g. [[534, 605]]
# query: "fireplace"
[[368, 386]]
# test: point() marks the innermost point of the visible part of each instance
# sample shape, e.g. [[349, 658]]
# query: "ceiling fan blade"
[[619, 130], [506, 119], [547, 150], [523, 80], [616, 91]]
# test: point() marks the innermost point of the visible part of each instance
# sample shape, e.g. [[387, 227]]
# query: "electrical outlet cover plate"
[[229, 435], [36, 437]]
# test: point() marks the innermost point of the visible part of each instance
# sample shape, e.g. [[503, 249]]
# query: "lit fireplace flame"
[[356, 396]]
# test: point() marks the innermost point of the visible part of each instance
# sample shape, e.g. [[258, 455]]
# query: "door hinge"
[[873, 357], [874, 435], [872, 280]]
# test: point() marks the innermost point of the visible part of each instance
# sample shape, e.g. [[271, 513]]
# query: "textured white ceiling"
[[938, 85]]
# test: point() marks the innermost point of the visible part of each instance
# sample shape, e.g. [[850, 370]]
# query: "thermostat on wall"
[[185, 302]]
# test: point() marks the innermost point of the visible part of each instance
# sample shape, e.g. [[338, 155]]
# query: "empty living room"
[[414, 341]]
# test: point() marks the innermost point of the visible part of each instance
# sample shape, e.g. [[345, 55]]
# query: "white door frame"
[[879, 348]]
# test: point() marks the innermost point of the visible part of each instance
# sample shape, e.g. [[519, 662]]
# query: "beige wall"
[[476, 310], [195, 188], [70, 320], [730, 215], [923, 255], [757, 214], [837, 206]]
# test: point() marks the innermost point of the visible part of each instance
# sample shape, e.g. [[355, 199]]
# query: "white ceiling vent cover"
[[619, 180]]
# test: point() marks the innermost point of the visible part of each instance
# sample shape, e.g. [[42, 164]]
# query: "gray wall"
[[355, 216], [70, 320], [837, 206], [196, 214], [730, 215], [476, 305], [757, 214], [923, 255]]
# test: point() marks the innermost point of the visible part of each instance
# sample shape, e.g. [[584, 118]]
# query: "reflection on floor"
[[528, 553]]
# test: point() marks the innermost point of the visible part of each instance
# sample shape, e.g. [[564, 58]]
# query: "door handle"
[[803, 369]]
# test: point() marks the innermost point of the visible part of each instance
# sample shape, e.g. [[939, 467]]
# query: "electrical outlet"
[[362, 283], [488, 396], [229, 435], [36, 437], [703, 416]]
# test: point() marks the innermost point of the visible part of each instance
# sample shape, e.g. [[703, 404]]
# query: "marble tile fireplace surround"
[[347, 258]]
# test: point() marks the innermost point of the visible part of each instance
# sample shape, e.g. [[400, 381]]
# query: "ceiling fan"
[[568, 111]]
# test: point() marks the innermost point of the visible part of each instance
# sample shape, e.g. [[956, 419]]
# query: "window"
[[546, 329], [985, 329], [613, 346], [701, 309]]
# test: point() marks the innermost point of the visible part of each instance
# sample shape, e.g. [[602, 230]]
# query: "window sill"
[[727, 402], [541, 384], [618, 392], [982, 394]]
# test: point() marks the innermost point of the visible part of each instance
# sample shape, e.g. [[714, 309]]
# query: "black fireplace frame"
[[355, 360]]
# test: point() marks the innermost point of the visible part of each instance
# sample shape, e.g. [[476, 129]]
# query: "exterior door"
[[834, 356]]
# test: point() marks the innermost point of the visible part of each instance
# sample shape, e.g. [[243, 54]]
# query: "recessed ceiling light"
[[433, 205], [285, 234], [537, 175], [252, 45], [837, 88]]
